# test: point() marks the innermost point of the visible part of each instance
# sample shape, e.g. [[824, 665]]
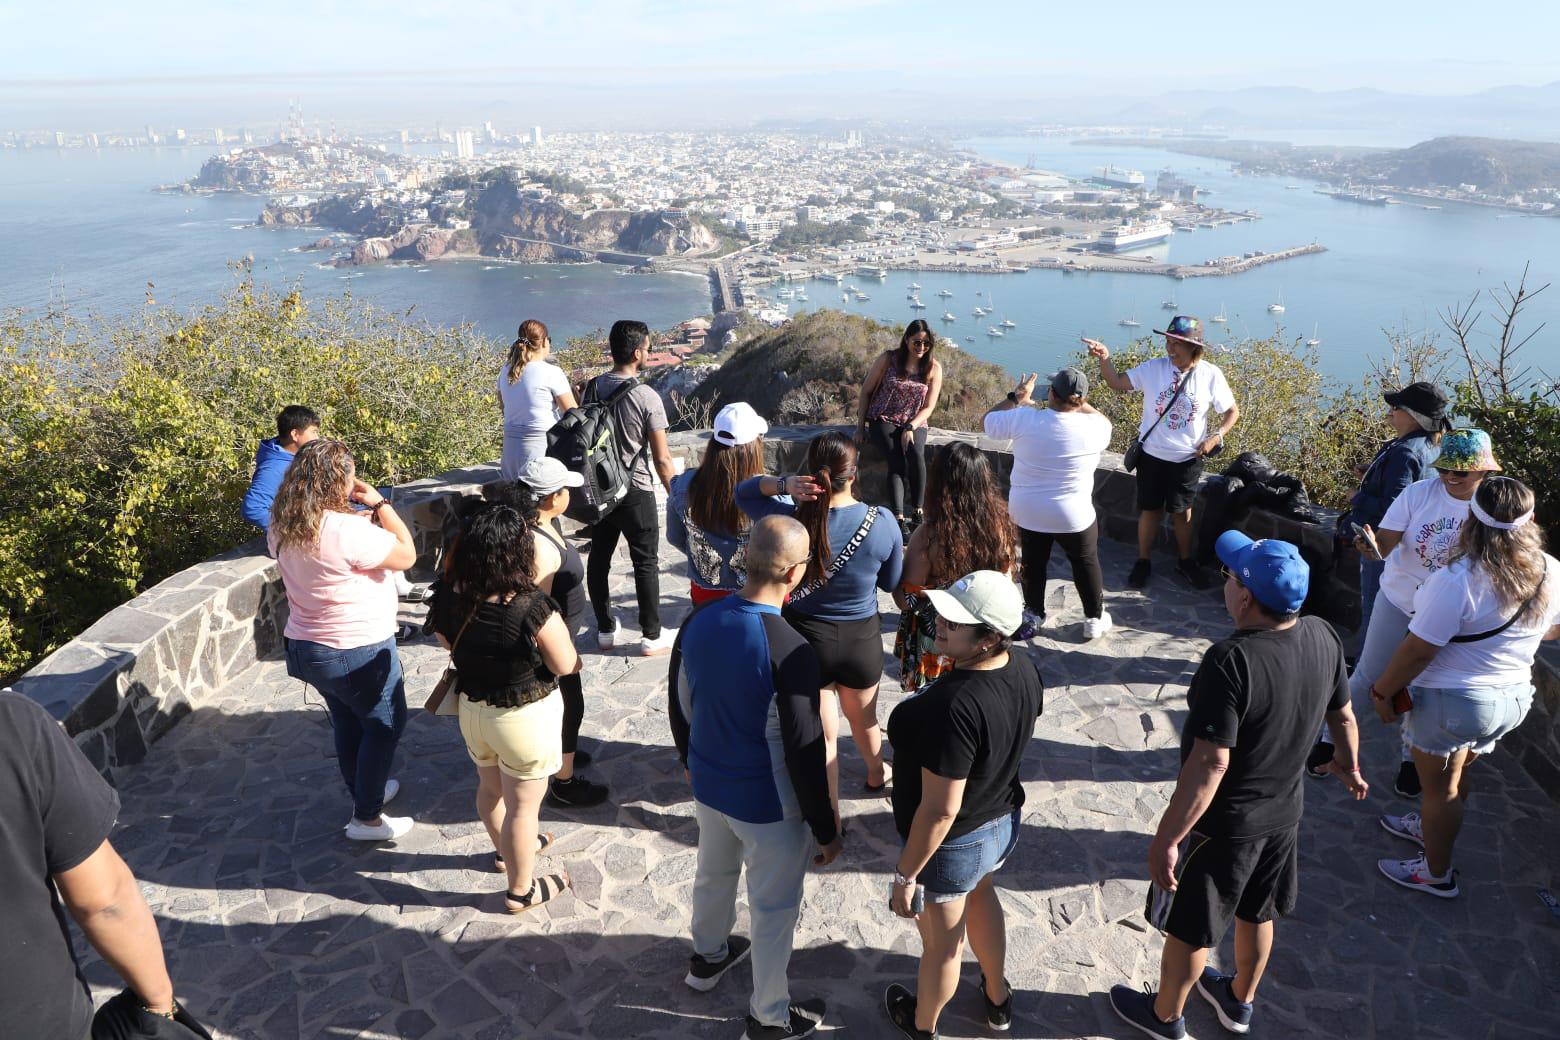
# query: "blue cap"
[[1270, 568]]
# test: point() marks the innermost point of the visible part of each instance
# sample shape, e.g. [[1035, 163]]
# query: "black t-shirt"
[[55, 810], [1262, 694], [971, 726]]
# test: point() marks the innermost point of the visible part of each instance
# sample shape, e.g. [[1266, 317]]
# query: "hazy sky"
[[771, 58]]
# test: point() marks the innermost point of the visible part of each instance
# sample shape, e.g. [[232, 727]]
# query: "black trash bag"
[[1251, 467], [123, 1018]]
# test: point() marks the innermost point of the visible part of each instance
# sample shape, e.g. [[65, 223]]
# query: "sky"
[[583, 60]]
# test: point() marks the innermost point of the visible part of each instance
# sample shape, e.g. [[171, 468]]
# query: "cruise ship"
[[872, 271], [1117, 177], [1134, 236]]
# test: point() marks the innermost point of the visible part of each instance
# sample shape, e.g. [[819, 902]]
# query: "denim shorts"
[[1446, 719], [959, 865]]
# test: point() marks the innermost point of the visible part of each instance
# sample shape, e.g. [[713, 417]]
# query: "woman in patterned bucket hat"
[[1417, 538]]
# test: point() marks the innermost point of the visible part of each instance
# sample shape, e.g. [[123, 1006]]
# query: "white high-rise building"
[[489, 134], [465, 144], [536, 137]]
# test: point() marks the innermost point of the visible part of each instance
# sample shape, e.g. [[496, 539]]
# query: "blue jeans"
[[366, 697], [961, 863], [1370, 584]]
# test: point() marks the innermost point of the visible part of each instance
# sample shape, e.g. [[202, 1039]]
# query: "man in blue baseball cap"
[[1226, 845]]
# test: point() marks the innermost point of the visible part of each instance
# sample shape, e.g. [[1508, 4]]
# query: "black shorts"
[[1170, 486], [1253, 879], [849, 652]]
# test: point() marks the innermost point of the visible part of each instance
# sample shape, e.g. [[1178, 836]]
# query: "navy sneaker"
[[1136, 1009], [1216, 990]]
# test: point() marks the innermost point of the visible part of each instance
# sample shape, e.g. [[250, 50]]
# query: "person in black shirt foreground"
[[55, 813], [958, 745], [1226, 844]]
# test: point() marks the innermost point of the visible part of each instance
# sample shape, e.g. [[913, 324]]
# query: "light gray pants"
[[520, 447], [776, 857], [1388, 625]]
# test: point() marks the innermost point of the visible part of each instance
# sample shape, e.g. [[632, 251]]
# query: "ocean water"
[[81, 229]]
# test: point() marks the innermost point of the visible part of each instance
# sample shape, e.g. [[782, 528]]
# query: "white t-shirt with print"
[[531, 402], [1458, 600], [1055, 455], [1186, 426], [1430, 520]]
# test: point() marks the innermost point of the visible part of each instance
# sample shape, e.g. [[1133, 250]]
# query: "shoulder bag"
[[841, 558], [1134, 455], [443, 701]]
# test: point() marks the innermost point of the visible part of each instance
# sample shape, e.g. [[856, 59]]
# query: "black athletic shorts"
[[1170, 486], [849, 652], [1253, 879]]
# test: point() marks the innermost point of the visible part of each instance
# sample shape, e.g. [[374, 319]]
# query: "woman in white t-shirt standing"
[[1056, 450], [1179, 391], [533, 393], [1467, 662], [1418, 535]]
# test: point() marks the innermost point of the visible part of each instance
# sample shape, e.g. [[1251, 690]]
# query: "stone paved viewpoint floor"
[[277, 927]]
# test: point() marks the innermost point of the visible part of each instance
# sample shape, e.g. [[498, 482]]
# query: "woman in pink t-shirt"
[[338, 569]]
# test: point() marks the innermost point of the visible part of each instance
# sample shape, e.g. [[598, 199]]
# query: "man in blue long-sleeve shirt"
[[296, 426], [743, 709]]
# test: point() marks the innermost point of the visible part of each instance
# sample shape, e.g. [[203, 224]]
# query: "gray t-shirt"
[[639, 414]]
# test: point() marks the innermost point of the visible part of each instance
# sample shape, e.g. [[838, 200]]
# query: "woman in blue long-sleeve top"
[[856, 552], [702, 518]]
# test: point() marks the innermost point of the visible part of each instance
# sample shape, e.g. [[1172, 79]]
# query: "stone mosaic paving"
[[277, 927]]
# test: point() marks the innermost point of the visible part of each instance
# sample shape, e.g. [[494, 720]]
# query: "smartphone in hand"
[[1369, 538], [918, 899]]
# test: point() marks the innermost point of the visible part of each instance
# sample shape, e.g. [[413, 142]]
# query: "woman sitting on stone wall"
[[338, 568]]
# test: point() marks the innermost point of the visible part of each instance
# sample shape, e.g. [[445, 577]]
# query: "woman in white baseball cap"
[[958, 748], [702, 517]]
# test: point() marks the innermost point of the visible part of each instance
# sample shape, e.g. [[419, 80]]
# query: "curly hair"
[[967, 522], [528, 343], [318, 481], [496, 556], [1512, 560]]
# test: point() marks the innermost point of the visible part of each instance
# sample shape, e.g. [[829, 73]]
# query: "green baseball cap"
[[981, 598]]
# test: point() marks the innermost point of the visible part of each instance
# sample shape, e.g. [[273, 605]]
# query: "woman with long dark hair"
[[532, 394], [855, 551], [702, 517], [509, 646], [338, 568], [895, 406], [967, 529], [1467, 663]]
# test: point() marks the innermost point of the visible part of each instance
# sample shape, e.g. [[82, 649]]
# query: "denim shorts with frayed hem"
[[1446, 720], [961, 863]]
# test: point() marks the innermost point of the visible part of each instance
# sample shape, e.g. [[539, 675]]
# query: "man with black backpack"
[[639, 427]]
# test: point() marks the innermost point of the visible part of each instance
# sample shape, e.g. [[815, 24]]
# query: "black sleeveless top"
[[568, 589]]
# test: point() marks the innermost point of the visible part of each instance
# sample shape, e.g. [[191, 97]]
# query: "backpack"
[[587, 441]]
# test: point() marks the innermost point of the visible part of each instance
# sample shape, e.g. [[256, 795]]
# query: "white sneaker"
[[388, 829], [1095, 627], [606, 639], [392, 788], [661, 644]]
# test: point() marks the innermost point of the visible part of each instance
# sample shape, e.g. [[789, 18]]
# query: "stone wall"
[[123, 682]]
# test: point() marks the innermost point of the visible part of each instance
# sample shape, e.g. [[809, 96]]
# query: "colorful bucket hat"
[[1183, 327], [1466, 450]]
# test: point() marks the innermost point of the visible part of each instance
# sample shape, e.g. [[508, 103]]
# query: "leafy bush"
[[125, 446]]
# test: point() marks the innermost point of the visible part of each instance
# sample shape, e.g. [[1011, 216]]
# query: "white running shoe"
[[661, 644], [1407, 826], [387, 829], [392, 788], [1095, 627], [606, 638]]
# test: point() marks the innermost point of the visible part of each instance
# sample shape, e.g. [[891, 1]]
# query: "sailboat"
[[914, 287], [1007, 324], [944, 292], [1168, 305], [995, 332], [1130, 323], [1278, 306], [1219, 319], [1313, 341], [948, 316]]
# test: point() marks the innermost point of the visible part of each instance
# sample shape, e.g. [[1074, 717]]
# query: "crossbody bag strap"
[[841, 558], [1512, 620], [1179, 386]]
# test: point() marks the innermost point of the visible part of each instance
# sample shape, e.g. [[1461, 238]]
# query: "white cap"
[[546, 475], [738, 423], [981, 598]]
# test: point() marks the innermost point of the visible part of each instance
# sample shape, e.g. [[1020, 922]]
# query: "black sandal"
[[544, 841], [543, 890], [888, 778]]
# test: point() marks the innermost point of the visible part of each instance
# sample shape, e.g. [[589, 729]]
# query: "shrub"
[[126, 445]]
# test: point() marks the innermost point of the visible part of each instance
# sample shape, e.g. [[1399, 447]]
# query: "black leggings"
[[904, 467], [1082, 549], [572, 689]]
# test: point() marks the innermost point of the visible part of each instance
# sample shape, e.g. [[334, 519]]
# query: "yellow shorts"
[[525, 743]]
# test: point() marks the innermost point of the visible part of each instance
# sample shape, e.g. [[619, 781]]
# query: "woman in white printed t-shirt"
[[1056, 450], [1179, 391], [1417, 538], [533, 393], [1467, 663]]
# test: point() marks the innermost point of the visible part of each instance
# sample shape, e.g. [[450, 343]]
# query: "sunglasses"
[[1227, 575], [1456, 474]]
